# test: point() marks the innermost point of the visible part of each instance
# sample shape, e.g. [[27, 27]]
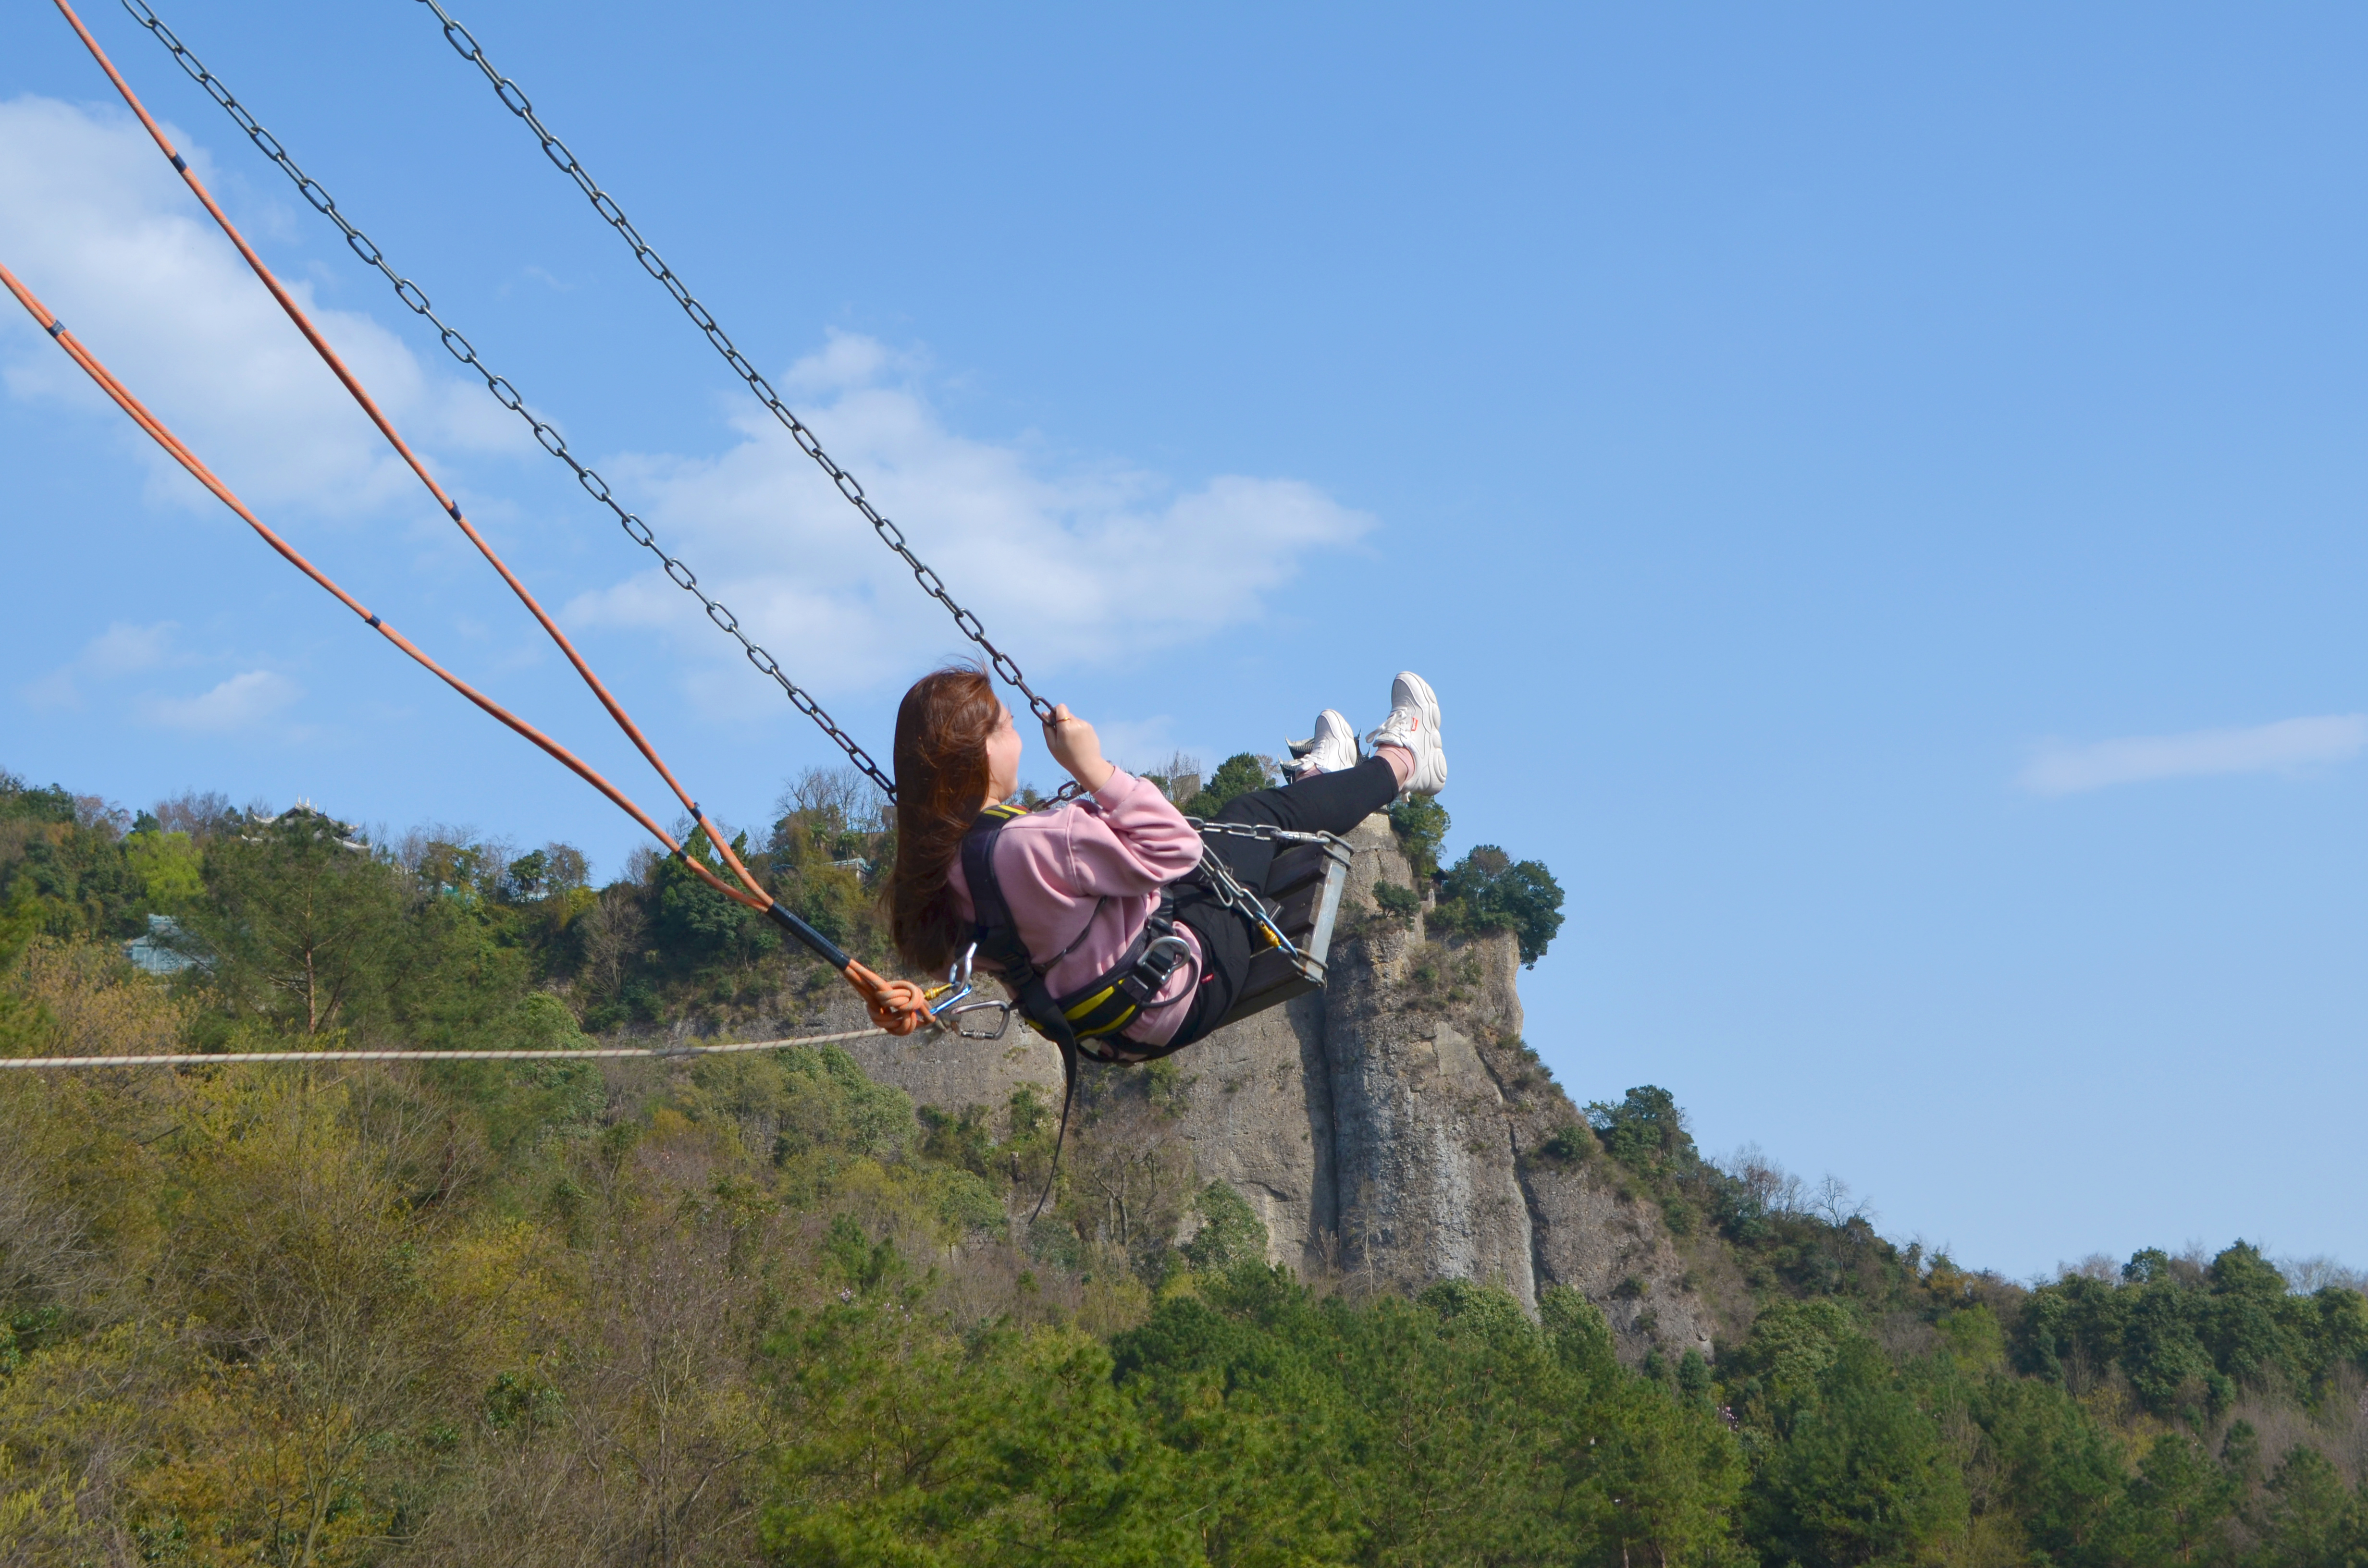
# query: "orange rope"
[[205, 476], [386, 428], [896, 1005]]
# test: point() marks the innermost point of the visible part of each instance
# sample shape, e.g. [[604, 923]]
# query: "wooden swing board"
[[1307, 883]]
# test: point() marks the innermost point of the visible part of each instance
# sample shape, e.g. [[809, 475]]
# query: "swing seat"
[[1304, 899]]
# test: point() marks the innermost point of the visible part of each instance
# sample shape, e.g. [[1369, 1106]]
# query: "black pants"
[[1329, 802]]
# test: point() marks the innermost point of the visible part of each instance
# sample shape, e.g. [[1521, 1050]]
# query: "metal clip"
[[957, 986], [1159, 961], [970, 1021], [948, 1002], [1233, 896]]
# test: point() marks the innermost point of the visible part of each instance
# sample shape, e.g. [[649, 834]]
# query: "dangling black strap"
[[999, 945], [1078, 1022]]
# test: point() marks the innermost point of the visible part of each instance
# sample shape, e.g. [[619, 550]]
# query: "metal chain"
[[1228, 889], [465, 44], [1262, 830], [1219, 879], [416, 300]]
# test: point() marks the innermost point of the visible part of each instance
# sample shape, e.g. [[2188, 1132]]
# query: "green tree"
[[2044, 1463], [1401, 905], [61, 866], [828, 856], [2249, 1331], [1489, 890], [920, 1448], [696, 925], [307, 930], [2312, 1519], [1236, 777], [1863, 1474], [1449, 1430], [1420, 824], [2176, 1510], [1662, 1477], [2333, 1324], [1645, 1131], [2188, 1339], [170, 867], [1230, 1230]]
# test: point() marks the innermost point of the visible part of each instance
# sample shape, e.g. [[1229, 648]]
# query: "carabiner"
[[958, 981]]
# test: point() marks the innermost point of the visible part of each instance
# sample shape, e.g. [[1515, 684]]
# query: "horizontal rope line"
[[197, 1059]]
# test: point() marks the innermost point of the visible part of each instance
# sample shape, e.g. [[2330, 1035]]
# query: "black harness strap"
[[1078, 1022]]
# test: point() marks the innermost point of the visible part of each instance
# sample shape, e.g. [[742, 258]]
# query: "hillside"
[[1354, 1282]]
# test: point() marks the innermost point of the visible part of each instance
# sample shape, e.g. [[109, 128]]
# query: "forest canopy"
[[759, 1308]]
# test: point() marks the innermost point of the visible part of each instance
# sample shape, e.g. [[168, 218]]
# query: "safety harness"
[[1082, 1020]]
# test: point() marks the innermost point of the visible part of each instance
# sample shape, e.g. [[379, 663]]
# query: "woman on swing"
[[1086, 907]]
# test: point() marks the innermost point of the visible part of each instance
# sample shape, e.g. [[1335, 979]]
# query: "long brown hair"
[[942, 728]]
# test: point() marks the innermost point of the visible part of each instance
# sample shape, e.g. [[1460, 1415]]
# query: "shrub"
[[1420, 824], [1399, 904], [1569, 1144], [1230, 1231]]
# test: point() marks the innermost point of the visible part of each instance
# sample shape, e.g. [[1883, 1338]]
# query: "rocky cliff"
[[1393, 1128]]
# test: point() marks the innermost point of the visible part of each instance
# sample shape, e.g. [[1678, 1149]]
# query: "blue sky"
[[1878, 493]]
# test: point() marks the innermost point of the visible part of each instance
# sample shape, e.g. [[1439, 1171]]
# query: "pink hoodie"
[[1120, 844]]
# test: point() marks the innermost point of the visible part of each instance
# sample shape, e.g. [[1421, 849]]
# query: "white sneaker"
[[1414, 725], [1332, 749]]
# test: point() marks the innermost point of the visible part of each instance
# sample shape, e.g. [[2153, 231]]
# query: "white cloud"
[[2287, 746], [239, 703], [122, 649], [1064, 561], [846, 361], [1063, 566], [95, 222]]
